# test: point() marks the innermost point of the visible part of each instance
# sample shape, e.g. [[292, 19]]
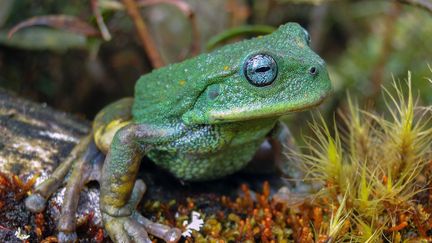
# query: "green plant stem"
[[238, 31]]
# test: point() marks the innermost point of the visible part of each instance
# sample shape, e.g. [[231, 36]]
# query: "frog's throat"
[[238, 114]]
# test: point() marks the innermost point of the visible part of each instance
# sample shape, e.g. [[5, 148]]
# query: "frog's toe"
[[136, 231], [172, 235], [67, 237], [162, 231], [125, 229], [35, 203], [129, 229]]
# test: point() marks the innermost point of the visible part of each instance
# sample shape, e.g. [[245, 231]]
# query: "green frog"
[[201, 119]]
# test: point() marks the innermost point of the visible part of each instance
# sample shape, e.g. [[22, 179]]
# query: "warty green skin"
[[200, 119], [219, 118]]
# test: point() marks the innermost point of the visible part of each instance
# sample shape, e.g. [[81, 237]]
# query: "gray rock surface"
[[35, 139]]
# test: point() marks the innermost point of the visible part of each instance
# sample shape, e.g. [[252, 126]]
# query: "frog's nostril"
[[313, 70]]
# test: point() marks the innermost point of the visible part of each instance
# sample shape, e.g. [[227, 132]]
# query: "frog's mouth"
[[251, 112]]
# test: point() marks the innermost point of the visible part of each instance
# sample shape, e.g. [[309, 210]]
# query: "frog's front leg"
[[286, 161], [275, 149], [119, 192], [283, 144]]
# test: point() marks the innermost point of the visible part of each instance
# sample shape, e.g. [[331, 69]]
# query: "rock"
[[35, 137]]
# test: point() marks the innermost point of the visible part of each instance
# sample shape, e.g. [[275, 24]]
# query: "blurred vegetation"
[[363, 42]]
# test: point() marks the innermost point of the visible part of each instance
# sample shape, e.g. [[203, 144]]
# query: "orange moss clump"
[[39, 226]]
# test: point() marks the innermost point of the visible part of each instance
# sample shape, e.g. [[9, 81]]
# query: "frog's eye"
[[260, 70], [307, 37]]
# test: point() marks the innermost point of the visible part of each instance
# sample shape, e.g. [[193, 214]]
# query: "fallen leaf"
[[63, 22]]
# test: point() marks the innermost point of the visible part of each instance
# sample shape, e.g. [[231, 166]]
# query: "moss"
[[372, 169]]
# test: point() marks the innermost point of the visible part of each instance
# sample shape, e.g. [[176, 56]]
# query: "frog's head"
[[264, 77]]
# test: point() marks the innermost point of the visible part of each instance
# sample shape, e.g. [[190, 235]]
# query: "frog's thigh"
[[109, 120]]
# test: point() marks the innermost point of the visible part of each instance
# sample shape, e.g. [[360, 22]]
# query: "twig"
[[143, 33], [184, 7], [187, 11], [425, 4], [99, 20], [4, 228], [195, 46]]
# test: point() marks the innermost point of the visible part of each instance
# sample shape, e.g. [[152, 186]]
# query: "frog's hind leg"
[[86, 168], [37, 201], [84, 164]]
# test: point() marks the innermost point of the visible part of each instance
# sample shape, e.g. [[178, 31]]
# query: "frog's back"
[[166, 93]]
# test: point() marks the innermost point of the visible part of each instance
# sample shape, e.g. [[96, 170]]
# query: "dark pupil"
[[262, 69]]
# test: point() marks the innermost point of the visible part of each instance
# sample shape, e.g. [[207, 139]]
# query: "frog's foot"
[[84, 164], [35, 203], [135, 227]]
